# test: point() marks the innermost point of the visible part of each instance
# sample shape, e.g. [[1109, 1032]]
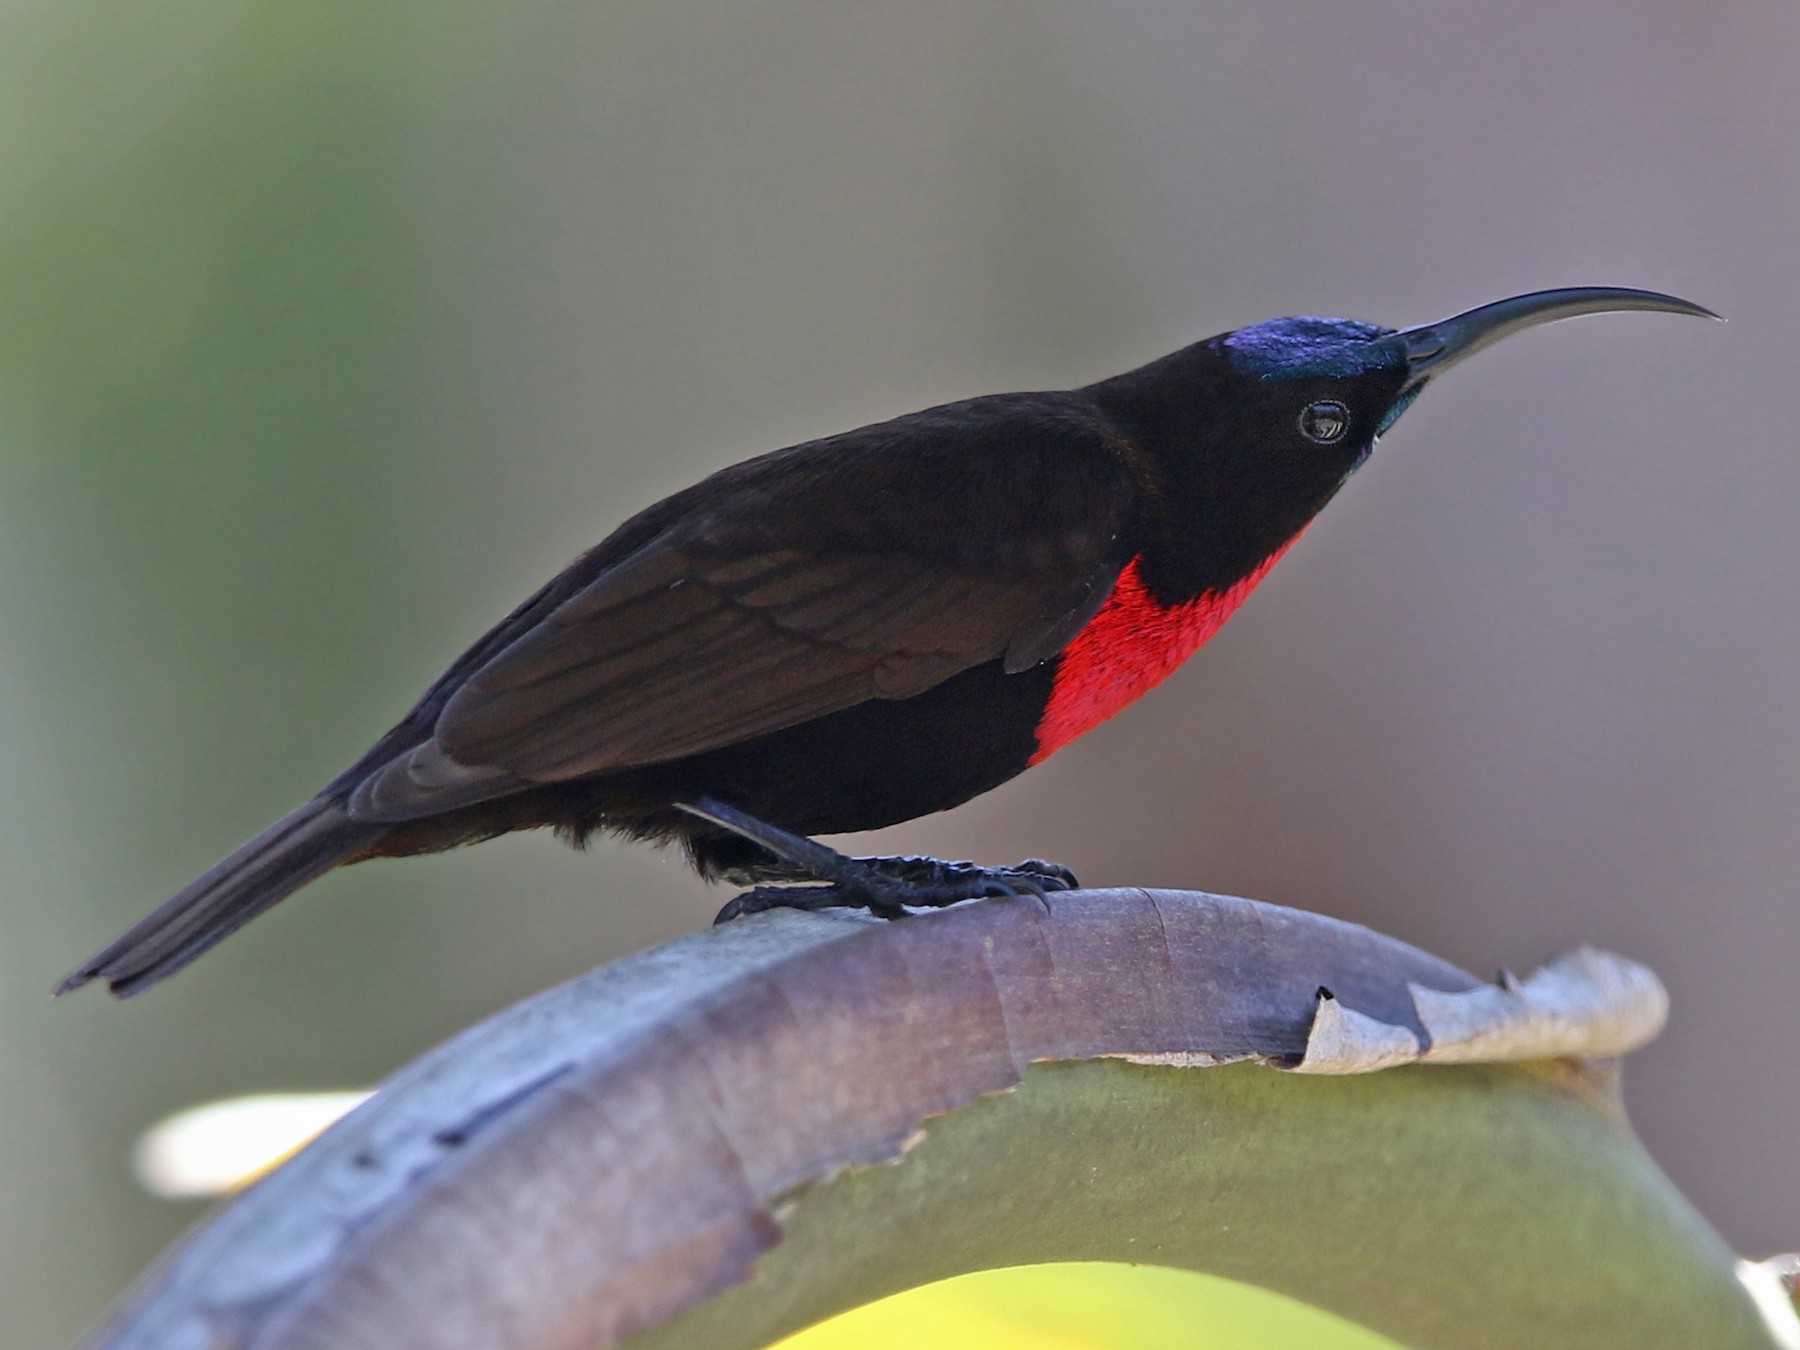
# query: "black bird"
[[862, 629]]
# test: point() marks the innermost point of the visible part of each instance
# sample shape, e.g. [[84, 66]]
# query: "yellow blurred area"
[[1086, 1306]]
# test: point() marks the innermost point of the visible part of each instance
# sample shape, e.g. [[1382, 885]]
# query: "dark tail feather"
[[271, 866]]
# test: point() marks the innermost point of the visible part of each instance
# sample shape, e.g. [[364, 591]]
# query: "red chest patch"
[[1132, 645]]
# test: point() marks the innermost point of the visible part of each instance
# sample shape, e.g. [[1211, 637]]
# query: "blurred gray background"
[[327, 331]]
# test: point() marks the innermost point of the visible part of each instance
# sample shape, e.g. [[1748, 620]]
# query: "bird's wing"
[[816, 579]]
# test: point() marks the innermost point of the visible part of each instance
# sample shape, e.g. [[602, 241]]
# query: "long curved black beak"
[[1433, 348]]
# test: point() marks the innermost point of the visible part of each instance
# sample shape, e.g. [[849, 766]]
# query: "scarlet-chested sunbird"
[[867, 628]]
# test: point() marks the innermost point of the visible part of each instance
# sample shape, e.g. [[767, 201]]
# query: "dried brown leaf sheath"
[[678, 1148]]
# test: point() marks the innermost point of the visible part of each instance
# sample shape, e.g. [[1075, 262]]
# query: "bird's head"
[[1338, 384]]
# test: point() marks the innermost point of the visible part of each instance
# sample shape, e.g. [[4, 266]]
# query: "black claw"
[[1037, 884], [1053, 875], [764, 898]]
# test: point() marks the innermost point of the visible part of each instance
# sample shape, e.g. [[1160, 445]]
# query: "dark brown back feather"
[[868, 566]]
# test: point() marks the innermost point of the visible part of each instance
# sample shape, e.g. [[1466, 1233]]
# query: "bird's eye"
[[1325, 421]]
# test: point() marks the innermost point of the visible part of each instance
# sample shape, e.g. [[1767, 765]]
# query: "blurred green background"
[[327, 331]]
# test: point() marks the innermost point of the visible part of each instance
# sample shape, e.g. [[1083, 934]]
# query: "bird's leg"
[[883, 886]]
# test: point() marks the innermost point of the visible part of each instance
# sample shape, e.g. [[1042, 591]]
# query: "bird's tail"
[[279, 861]]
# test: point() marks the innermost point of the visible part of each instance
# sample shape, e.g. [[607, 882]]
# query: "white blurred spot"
[[213, 1149], [1770, 1294]]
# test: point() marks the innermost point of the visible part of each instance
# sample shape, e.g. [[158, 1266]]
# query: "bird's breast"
[[1132, 645]]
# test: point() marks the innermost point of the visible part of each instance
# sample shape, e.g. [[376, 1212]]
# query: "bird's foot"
[[886, 887], [1034, 876]]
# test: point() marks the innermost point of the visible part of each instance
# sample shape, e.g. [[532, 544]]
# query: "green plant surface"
[[1468, 1208]]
